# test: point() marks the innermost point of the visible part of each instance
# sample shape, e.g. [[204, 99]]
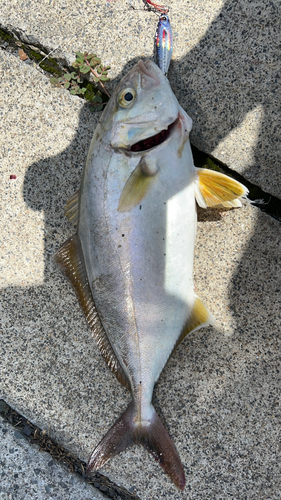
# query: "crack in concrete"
[[41, 438]]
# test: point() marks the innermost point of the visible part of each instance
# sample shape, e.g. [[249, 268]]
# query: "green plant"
[[75, 81]]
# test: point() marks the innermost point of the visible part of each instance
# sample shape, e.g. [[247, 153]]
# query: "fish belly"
[[140, 263]]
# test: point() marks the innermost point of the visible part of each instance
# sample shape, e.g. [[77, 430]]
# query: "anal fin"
[[71, 261], [214, 188]]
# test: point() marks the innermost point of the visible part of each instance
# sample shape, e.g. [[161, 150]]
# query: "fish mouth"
[[154, 140]]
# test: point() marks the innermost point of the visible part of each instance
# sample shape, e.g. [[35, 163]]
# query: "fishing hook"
[[158, 7]]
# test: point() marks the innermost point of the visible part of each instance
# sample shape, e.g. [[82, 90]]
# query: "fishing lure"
[[164, 43]]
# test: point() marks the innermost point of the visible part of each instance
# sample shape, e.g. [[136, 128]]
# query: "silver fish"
[[131, 260]]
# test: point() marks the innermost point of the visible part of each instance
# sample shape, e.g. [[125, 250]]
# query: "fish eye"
[[164, 18], [126, 97]]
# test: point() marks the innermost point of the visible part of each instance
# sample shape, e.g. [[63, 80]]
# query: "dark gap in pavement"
[[35, 435]]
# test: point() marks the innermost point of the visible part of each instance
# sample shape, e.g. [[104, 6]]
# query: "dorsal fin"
[[213, 188], [71, 261], [199, 316], [71, 208]]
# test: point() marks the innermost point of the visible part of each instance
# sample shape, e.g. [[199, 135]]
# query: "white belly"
[[155, 244]]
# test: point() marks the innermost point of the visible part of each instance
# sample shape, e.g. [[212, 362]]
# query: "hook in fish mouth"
[[154, 140]]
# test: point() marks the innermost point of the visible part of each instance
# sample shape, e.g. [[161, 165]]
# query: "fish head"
[[141, 111]]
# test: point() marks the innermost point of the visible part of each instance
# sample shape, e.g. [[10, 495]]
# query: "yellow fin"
[[199, 316], [213, 188], [71, 261], [71, 208], [136, 187]]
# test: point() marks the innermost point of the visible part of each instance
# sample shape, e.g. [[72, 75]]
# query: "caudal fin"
[[150, 433]]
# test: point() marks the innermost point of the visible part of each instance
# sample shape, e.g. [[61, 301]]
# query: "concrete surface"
[[28, 473], [219, 395], [225, 71]]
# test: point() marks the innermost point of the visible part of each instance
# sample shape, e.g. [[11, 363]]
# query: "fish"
[[164, 43], [131, 259]]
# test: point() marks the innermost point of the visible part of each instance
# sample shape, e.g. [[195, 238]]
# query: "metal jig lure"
[[164, 43]]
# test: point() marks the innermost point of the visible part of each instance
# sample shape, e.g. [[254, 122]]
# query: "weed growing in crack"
[[75, 81]]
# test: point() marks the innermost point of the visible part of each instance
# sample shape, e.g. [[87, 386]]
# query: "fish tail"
[[151, 433]]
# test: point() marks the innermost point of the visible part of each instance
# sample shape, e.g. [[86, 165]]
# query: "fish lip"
[[157, 140]]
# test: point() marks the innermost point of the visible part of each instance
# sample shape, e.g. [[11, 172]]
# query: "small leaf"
[[85, 69], [79, 80], [54, 80], [68, 77], [79, 54], [97, 98], [73, 92], [104, 72], [83, 90], [96, 79], [67, 85], [93, 63], [107, 67], [104, 79], [99, 70]]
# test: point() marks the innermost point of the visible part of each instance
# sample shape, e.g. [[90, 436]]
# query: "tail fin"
[[150, 433]]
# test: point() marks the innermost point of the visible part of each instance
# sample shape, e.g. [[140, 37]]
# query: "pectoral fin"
[[138, 185], [213, 188]]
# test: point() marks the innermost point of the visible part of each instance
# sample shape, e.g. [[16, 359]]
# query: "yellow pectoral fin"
[[213, 188], [136, 187]]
